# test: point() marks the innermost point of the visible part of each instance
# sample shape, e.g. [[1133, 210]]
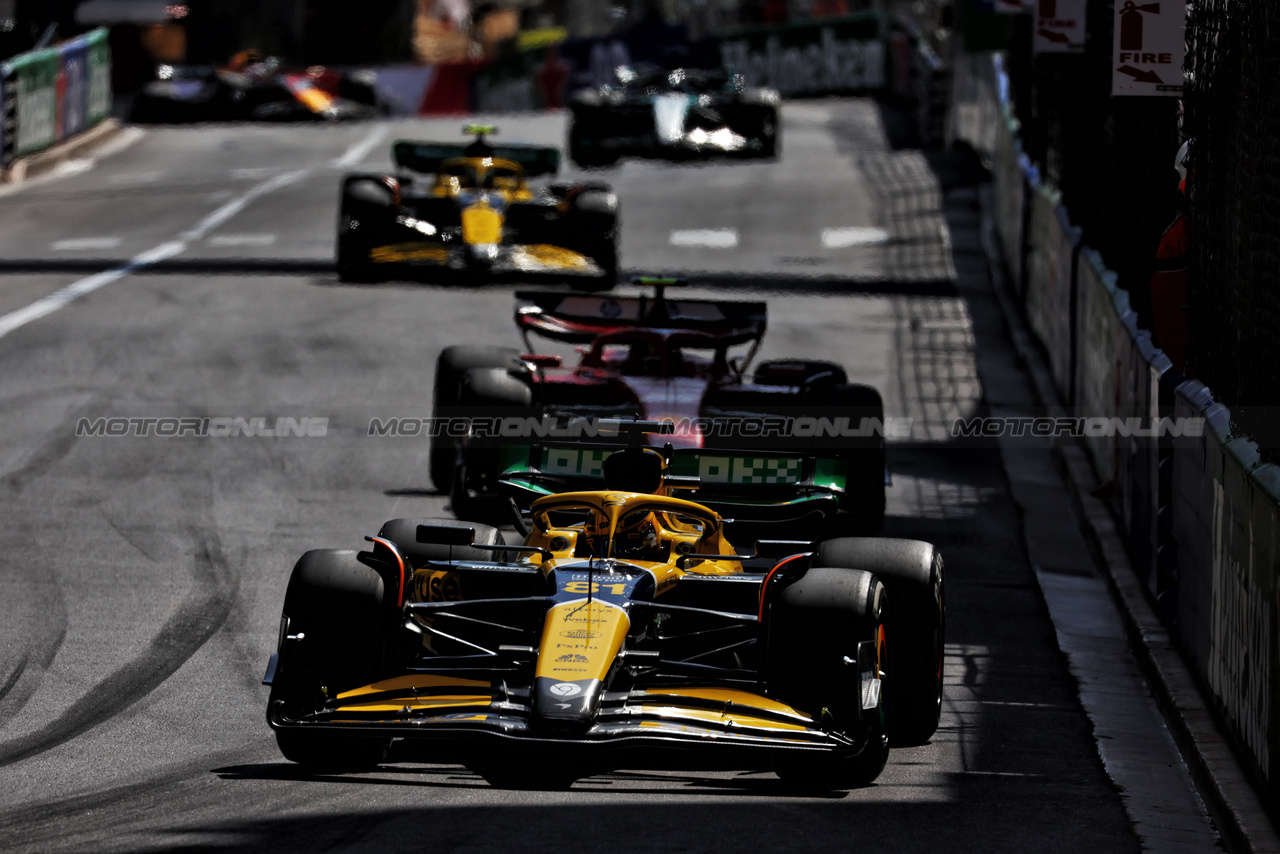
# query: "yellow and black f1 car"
[[468, 212], [624, 627]]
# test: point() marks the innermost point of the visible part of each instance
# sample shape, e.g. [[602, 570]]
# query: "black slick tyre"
[[863, 507], [492, 393], [911, 571], [365, 210], [451, 364], [335, 635], [816, 626]]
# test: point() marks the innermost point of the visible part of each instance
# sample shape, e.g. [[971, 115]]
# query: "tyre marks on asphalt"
[[61, 439], [76, 822], [200, 615], [44, 637]]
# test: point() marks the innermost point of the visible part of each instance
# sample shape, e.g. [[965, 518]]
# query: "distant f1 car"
[[626, 629], [469, 212], [793, 434], [679, 114], [250, 88]]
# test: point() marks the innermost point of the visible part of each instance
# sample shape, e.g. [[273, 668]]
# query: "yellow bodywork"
[[584, 631], [481, 224]]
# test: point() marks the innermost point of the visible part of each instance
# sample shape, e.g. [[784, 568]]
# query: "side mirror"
[[446, 535], [538, 360], [782, 548]]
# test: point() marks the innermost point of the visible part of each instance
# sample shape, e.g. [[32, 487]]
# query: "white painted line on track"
[[242, 240], [839, 238], [135, 177], [255, 173], [236, 205], [65, 296], [81, 244], [360, 150], [712, 238]]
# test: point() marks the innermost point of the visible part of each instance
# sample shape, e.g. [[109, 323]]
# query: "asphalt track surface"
[[189, 274]]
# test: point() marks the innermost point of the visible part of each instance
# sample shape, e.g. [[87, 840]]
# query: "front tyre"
[[817, 627], [911, 571], [335, 635]]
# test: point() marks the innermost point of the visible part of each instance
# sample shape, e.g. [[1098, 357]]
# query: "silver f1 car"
[[678, 114]]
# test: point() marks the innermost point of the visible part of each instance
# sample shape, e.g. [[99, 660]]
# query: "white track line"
[[713, 238], [238, 204], [839, 238], [360, 150], [80, 244], [65, 296], [242, 240]]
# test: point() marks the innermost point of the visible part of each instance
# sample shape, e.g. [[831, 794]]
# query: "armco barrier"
[[1098, 327], [1201, 515], [1049, 297], [54, 94]]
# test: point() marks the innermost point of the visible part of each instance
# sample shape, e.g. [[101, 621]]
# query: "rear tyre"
[[815, 627], [585, 151], [911, 570], [366, 210], [491, 393], [595, 213], [798, 372], [334, 610], [451, 364], [864, 456]]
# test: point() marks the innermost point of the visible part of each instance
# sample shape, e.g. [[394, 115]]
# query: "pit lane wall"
[[1200, 512], [51, 95]]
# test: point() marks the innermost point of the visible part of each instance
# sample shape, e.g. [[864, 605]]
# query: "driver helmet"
[[636, 535]]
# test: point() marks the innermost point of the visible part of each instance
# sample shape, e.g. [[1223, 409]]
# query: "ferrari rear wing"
[[426, 157], [580, 318]]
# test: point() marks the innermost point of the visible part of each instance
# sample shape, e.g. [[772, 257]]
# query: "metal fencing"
[[1112, 160], [1233, 108]]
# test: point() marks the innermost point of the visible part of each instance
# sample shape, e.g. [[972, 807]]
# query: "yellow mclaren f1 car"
[[468, 213], [624, 631]]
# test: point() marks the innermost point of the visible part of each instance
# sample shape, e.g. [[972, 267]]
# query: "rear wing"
[[801, 489], [426, 157], [581, 318]]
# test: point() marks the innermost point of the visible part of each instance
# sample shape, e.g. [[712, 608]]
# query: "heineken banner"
[[8, 118], [53, 94], [34, 77], [98, 105], [863, 54], [842, 56]]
